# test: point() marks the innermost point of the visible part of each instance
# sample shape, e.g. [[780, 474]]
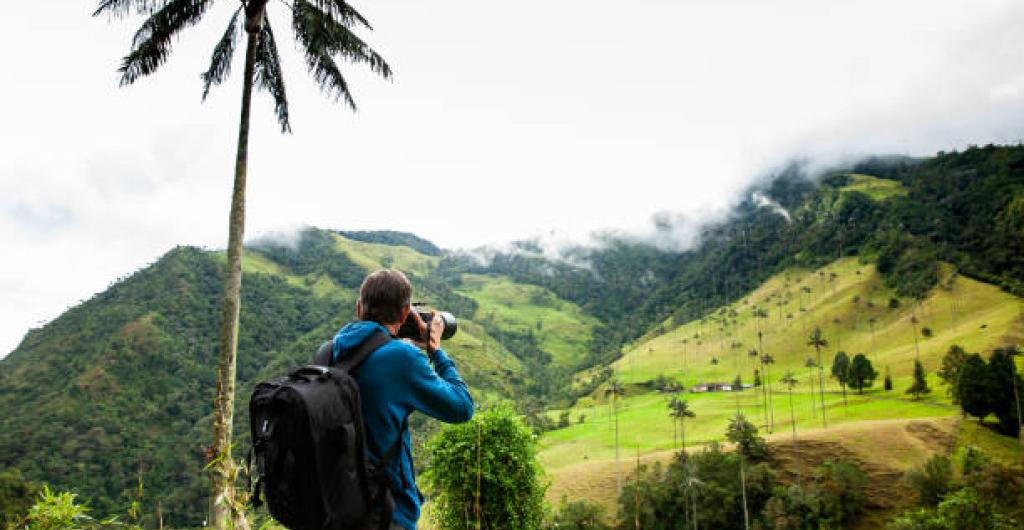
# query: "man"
[[398, 379]]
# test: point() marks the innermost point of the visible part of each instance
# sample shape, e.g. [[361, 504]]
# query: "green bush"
[[486, 470], [579, 515], [932, 480]]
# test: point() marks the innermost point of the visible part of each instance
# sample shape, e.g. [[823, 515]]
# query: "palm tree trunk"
[[618, 466], [821, 387], [225, 512], [796, 450]]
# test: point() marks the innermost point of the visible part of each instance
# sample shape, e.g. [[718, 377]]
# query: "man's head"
[[384, 297]]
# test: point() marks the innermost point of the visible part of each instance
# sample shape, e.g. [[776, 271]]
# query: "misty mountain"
[[123, 383]]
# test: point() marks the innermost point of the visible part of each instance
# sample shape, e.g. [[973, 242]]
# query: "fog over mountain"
[[501, 125]]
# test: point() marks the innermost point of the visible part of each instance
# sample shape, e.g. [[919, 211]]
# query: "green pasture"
[[850, 303], [373, 256], [561, 328], [644, 419], [874, 187]]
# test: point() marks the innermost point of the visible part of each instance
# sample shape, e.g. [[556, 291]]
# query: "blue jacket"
[[393, 382]]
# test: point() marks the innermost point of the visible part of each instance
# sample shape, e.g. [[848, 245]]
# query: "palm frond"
[[120, 8], [342, 12], [268, 75], [322, 37], [152, 42], [220, 61]]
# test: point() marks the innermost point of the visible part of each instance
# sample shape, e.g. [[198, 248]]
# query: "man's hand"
[[436, 328]]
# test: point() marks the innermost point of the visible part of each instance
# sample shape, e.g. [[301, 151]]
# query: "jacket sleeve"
[[439, 392]]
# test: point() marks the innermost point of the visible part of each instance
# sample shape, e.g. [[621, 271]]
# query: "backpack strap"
[[325, 353], [351, 362]]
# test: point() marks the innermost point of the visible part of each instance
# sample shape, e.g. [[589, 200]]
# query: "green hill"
[[124, 381], [848, 300]]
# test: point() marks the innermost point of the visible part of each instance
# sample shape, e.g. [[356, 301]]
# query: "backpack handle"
[[311, 370]]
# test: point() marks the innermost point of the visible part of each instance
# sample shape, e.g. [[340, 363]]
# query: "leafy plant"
[[484, 474]]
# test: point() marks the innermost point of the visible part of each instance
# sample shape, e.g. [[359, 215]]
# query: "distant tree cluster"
[[986, 388]]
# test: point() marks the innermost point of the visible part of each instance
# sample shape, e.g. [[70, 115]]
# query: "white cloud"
[[503, 121]]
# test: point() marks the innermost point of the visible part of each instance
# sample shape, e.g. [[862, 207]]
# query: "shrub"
[[486, 470], [932, 480], [579, 515]]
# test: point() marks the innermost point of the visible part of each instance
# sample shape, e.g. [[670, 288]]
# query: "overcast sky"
[[504, 120]]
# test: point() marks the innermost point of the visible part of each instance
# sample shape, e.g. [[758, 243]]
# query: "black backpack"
[[309, 447]]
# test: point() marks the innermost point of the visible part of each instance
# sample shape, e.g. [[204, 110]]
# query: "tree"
[[324, 30], [790, 381], [841, 371], [818, 341], [887, 384], [920, 385], [766, 361], [1006, 394], [861, 375], [679, 409], [949, 372], [744, 435], [485, 474], [615, 389], [974, 389]]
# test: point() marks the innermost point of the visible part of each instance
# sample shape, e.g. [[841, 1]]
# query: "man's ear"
[[406, 309], [359, 309]]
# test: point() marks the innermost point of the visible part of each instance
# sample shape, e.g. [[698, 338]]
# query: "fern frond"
[[268, 75], [152, 42], [322, 37], [220, 61]]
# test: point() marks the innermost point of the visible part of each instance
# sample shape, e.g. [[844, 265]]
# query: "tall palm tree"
[[818, 341], [790, 381], [766, 361], [324, 31], [615, 389], [764, 392], [680, 410], [810, 365]]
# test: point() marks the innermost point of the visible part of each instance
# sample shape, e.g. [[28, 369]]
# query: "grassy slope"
[[985, 317], [563, 330], [480, 356], [876, 188]]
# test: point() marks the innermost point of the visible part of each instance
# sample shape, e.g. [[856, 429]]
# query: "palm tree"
[[323, 29], [818, 342], [790, 381], [755, 354], [614, 390], [680, 410], [810, 365], [766, 361]]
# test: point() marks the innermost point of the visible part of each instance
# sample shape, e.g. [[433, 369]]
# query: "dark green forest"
[[123, 383]]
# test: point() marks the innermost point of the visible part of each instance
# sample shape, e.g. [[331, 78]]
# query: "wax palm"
[[818, 341], [323, 29], [790, 381], [679, 410], [615, 390]]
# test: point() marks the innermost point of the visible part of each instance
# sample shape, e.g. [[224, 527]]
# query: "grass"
[[877, 188], [562, 329], [975, 315], [644, 420], [373, 256]]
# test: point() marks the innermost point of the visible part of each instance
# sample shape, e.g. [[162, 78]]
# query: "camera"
[[410, 330]]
